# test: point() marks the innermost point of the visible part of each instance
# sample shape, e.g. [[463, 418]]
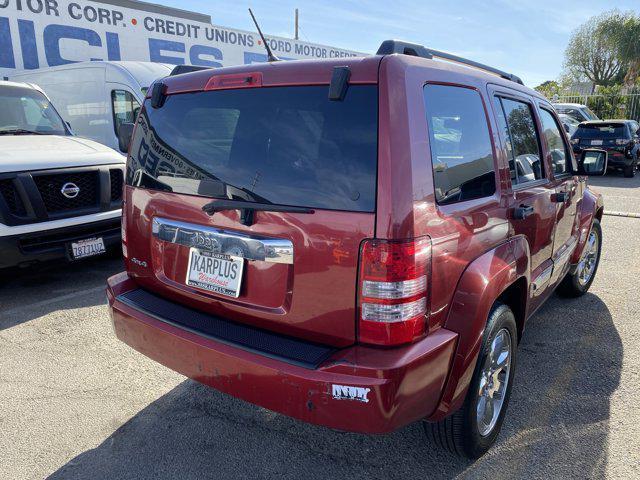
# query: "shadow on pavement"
[[569, 364], [30, 293], [615, 180]]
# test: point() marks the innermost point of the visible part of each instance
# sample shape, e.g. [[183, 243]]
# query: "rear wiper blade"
[[248, 208], [20, 131]]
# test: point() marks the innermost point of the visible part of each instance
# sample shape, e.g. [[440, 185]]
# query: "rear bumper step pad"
[[283, 348]]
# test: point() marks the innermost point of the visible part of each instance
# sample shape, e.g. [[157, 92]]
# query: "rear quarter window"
[[461, 150]]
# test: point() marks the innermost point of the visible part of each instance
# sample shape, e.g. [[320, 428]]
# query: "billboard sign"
[[42, 33]]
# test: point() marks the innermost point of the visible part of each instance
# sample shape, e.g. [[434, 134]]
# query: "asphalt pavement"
[[75, 403]]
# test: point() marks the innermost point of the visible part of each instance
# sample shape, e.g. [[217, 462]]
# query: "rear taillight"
[[394, 284], [575, 141], [123, 230]]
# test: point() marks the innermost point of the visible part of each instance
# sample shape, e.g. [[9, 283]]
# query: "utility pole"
[[295, 35]]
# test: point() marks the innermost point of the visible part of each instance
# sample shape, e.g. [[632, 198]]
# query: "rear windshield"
[[281, 145], [601, 131]]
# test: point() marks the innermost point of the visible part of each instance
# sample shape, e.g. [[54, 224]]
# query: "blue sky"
[[525, 37]]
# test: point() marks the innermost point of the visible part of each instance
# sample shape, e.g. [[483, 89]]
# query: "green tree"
[[591, 53], [623, 30], [549, 88]]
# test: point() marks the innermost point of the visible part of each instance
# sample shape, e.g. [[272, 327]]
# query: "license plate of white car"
[[596, 142], [87, 248], [215, 272]]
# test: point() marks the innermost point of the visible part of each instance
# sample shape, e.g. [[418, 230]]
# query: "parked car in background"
[[96, 97], [60, 195], [580, 112], [618, 137], [570, 124], [633, 125], [339, 240]]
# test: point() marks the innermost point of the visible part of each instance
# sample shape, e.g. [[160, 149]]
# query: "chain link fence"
[[608, 105]]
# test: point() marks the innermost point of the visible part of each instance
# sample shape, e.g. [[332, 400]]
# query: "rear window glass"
[[601, 131], [281, 145]]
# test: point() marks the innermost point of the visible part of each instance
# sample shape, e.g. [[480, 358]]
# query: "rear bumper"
[[359, 389], [28, 248]]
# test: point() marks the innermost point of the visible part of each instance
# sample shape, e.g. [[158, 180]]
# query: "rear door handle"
[[522, 212]]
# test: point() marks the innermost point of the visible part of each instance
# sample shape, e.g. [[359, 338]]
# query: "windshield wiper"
[[247, 209], [20, 131]]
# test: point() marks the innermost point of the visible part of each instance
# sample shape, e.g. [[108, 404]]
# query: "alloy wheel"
[[587, 265], [494, 380]]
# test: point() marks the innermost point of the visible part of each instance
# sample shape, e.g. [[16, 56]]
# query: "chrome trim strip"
[[274, 250], [542, 279], [555, 266], [566, 254]]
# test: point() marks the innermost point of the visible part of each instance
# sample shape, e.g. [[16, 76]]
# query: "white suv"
[[60, 195]]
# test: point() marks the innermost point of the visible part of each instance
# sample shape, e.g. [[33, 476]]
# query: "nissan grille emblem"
[[70, 190]]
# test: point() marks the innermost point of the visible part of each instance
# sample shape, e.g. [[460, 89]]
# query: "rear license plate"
[[596, 142], [87, 248], [215, 272]]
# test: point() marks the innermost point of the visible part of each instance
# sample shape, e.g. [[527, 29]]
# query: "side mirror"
[[593, 162], [125, 132], [566, 128]]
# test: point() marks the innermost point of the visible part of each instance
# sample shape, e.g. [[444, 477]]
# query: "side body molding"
[[484, 280]]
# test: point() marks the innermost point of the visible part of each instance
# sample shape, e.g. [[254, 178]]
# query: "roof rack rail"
[[389, 47], [180, 69]]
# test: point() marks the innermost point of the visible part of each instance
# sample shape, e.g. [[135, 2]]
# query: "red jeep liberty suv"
[[356, 243]]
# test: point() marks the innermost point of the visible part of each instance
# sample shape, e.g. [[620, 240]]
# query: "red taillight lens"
[[394, 280], [123, 229]]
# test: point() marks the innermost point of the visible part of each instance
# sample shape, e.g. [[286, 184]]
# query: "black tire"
[[459, 433], [630, 171], [571, 286]]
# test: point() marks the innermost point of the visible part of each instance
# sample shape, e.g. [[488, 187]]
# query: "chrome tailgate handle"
[[265, 249]]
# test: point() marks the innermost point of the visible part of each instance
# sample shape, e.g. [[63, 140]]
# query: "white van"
[[96, 97]]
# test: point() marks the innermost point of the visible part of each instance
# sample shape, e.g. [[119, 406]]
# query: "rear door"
[[532, 212], [289, 146], [565, 183]]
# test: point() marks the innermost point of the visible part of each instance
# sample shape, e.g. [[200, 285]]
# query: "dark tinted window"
[[523, 151], [461, 151], [602, 131], [283, 145], [557, 147]]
